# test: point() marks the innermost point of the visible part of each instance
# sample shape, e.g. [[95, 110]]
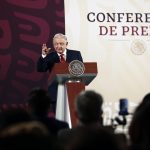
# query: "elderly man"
[[60, 54]]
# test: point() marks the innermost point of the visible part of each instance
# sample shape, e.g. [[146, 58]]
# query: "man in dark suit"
[[60, 55]]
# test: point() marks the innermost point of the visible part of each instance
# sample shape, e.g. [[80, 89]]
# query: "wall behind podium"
[[24, 26]]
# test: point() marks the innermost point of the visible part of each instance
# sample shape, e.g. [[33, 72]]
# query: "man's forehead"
[[59, 40]]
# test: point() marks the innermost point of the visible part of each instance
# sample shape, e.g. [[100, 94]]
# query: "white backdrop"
[[123, 61]]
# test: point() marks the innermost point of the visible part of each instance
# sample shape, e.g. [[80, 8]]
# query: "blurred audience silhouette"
[[88, 105], [139, 129], [35, 129], [39, 105]]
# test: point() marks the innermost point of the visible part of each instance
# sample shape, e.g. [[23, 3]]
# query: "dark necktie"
[[62, 59]]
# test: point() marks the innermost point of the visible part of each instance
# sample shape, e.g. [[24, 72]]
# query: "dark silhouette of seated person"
[[88, 105], [98, 138], [39, 106], [14, 116], [139, 129], [26, 135], [88, 109], [19, 131]]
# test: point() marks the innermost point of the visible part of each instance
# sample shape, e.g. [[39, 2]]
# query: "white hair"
[[60, 35]]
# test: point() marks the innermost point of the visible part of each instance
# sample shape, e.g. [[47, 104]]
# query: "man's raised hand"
[[45, 50]]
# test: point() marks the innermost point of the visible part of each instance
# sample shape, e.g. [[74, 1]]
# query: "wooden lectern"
[[74, 85]]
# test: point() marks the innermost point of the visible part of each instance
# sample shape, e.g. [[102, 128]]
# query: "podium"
[[73, 85]]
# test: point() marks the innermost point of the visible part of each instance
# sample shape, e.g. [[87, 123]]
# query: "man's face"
[[60, 45]]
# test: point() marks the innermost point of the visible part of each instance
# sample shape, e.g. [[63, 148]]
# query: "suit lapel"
[[57, 57], [67, 56]]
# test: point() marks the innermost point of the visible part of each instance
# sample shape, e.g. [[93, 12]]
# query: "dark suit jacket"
[[47, 63]]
